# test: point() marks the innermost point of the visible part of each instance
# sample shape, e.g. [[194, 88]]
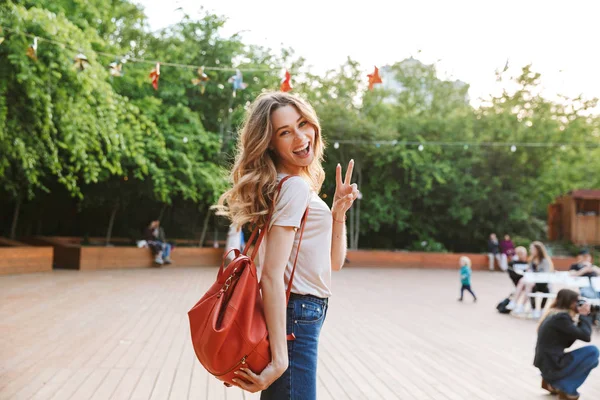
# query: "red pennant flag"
[[286, 83], [374, 78], [154, 75]]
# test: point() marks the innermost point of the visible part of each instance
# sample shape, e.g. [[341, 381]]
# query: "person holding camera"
[[566, 321]]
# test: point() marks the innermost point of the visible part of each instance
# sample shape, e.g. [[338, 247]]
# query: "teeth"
[[302, 148]]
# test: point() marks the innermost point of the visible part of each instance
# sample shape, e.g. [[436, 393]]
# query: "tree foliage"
[[90, 147]]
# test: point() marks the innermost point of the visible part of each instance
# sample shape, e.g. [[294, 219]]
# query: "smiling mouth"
[[304, 151]]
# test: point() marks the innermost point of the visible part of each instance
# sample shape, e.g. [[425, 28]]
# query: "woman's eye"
[[303, 123], [284, 133]]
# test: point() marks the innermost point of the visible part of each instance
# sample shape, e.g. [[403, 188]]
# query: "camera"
[[593, 308]]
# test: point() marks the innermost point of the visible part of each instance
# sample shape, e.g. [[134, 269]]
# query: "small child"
[[465, 277]]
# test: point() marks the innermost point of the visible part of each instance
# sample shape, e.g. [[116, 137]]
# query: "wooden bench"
[[69, 255], [410, 259], [19, 258]]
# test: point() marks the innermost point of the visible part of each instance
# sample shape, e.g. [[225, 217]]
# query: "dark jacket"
[[155, 234], [577, 267], [555, 334], [493, 247]]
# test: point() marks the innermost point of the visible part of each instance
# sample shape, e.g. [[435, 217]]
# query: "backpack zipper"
[[242, 361]]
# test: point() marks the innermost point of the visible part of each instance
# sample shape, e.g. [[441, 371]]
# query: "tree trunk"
[[162, 212], [194, 221], [111, 222], [205, 226], [13, 228], [216, 235], [226, 126]]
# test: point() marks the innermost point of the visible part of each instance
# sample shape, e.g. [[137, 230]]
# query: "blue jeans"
[[589, 293], [584, 361], [166, 250], [305, 316]]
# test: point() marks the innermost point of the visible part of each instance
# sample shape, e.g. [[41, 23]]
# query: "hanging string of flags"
[[115, 68]]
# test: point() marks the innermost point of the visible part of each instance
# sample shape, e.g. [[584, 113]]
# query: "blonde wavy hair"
[[254, 174]]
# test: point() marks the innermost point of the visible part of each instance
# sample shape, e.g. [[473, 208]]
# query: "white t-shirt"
[[313, 270]]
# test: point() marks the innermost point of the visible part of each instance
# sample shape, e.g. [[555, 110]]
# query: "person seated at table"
[[583, 267], [517, 267], [539, 262]]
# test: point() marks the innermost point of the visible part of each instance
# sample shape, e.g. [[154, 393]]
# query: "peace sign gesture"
[[345, 193]]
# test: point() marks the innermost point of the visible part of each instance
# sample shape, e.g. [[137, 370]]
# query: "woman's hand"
[[345, 193], [584, 309], [253, 383]]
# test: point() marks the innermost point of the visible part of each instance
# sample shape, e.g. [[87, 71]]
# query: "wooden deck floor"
[[389, 334]]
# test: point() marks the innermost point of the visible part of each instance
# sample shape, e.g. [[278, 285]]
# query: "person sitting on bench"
[[584, 267], [540, 262], [155, 236], [517, 268]]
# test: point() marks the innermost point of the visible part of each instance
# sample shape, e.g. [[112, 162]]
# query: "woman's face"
[[293, 140], [533, 251], [506, 237], [574, 306]]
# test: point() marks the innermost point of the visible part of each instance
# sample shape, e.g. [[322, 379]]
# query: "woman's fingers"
[[349, 172], [247, 375], [242, 384], [247, 380], [338, 177]]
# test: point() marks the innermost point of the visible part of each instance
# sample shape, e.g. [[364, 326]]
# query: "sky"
[[466, 39]]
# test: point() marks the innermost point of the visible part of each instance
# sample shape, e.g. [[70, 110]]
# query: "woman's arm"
[[581, 331], [338, 242], [280, 241], [345, 194]]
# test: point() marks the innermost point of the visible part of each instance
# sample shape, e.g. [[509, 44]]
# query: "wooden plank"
[[145, 386], [127, 384], [89, 386], [108, 385]]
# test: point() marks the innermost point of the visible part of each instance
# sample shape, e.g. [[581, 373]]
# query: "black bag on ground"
[[501, 307]]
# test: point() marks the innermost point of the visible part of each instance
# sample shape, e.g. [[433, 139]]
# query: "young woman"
[[281, 137], [565, 322], [540, 262]]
